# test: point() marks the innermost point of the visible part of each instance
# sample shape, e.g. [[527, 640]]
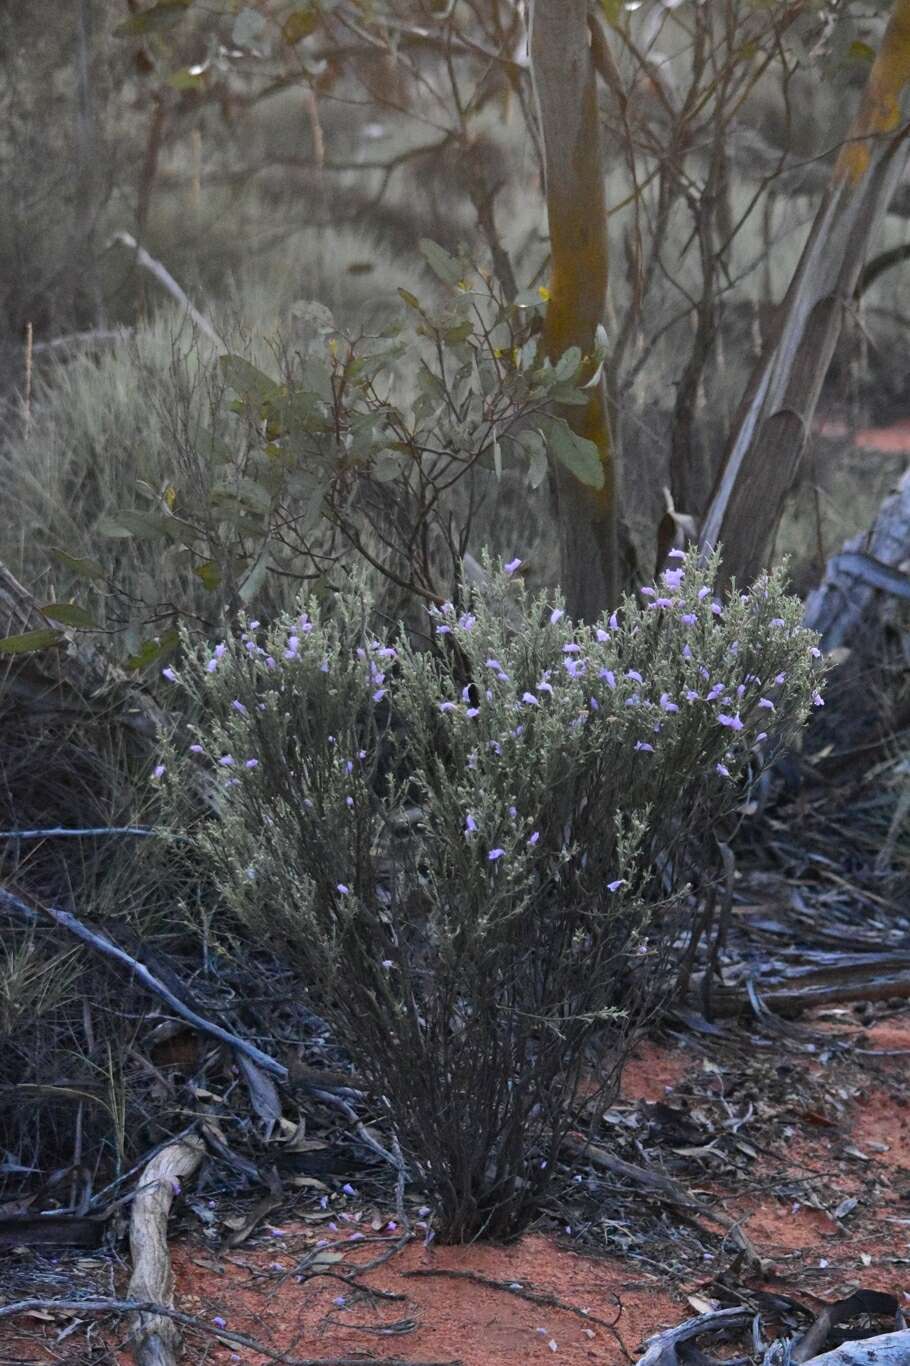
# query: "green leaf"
[[533, 443], [86, 569], [184, 79], [145, 526], [300, 23], [411, 300], [440, 262], [162, 16], [151, 650], [209, 573], [612, 10], [861, 52], [70, 614], [256, 576], [575, 452], [246, 380], [30, 641], [567, 365]]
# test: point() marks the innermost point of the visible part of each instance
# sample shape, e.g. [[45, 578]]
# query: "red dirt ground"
[[810, 1254]]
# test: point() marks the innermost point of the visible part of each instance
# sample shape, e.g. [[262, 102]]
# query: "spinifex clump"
[[477, 892]]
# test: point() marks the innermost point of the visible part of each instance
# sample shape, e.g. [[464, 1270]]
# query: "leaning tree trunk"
[[565, 85], [770, 433]]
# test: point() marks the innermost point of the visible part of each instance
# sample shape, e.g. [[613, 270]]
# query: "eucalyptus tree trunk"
[[565, 86], [773, 423]]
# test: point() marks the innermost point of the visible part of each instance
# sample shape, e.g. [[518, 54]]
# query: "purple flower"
[[766, 703], [602, 635], [343, 888], [534, 837], [466, 621], [379, 694], [608, 677], [634, 674], [212, 665], [556, 615], [159, 771], [530, 699], [196, 749], [348, 1189], [472, 712], [717, 609], [703, 592], [688, 618], [340, 1301], [648, 592], [495, 854], [470, 824], [815, 652], [643, 745], [238, 706], [251, 763], [446, 706], [673, 578], [593, 704], [817, 699], [762, 735], [732, 722], [169, 675], [615, 885], [544, 686], [667, 703], [324, 666], [443, 630], [226, 761], [270, 662], [722, 770], [676, 554], [715, 692], [293, 647], [511, 566], [777, 621], [779, 679], [219, 1322], [574, 667], [570, 648], [349, 801], [614, 621]]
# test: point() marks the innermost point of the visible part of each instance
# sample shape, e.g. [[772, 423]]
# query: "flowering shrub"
[[476, 854]]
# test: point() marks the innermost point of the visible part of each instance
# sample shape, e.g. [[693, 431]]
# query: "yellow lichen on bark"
[[880, 110]]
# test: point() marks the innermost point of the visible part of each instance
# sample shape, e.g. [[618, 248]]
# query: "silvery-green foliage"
[[478, 854]]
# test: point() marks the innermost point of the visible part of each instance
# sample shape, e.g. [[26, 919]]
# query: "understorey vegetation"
[[479, 855]]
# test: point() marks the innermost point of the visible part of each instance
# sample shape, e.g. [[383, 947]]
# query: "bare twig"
[[544, 1298], [165, 278]]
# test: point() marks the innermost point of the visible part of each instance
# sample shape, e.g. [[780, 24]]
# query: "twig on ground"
[[543, 1298], [113, 1306], [105, 946]]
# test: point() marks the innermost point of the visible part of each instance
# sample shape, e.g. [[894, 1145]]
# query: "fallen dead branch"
[[101, 944], [543, 1298], [662, 1349], [850, 977], [155, 1337], [888, 1349], [113, 1306], [664, 1188]]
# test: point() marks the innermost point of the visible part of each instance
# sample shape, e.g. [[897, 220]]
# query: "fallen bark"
[[155, 1337], [662, 1349], [854, 977], [665, 1188], [888, 1349]]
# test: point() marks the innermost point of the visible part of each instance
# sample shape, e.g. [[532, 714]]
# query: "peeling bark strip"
[[775, 417], [565, 86], [155, 1338]]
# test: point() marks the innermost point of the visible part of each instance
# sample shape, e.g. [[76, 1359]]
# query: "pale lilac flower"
[[251, 763], [293, 647], [691, 695], [615, 885], [614, 621], [324, 666], [470, 824], [219, 650], [348, 1189], [762, 735], [493, 664], [571, 648], [169, 675], [722, 770], [717, 609], [667, 703], [777, 621], [349, 801], [387, 963], [495, 746], [715, 692], [196, 749], [513, 812], [530, 699], [511, 566], [443, 630], [687, 651], [472, 712], [495, 854], [633, 701], [634, 674], [815, 652], [238, 706], [543, 685], [688, 618], [518, 731], [602, 635], [817, 699], [703, 592], [219, 1322], [343, 888], [212, 665], [379, 694], [676, 554], [731, 722], [593, 704], [766, 703], [673, 578], [643, 745], [270, 662], [556, 615], [226, 761], [446, 706], [779, 679], [574, 667], [608, 677], [159, 771], [535, 836], [466, 621]]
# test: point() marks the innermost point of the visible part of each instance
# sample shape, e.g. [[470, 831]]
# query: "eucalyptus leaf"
[[69, 614], [576, 453], [441, 262], [85, 568], [30, 641]]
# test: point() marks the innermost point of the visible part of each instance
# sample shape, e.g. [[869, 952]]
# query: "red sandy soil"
[[863, 1155]]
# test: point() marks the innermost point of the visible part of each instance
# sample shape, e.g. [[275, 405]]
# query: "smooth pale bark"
[[774, 420], [565, 85]]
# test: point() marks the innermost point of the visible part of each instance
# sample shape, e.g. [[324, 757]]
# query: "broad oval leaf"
[[86, 569], [30, 641], [245, 379], [70, 614], [576, 453], [300, 23], [441, 262], [162, 16]]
